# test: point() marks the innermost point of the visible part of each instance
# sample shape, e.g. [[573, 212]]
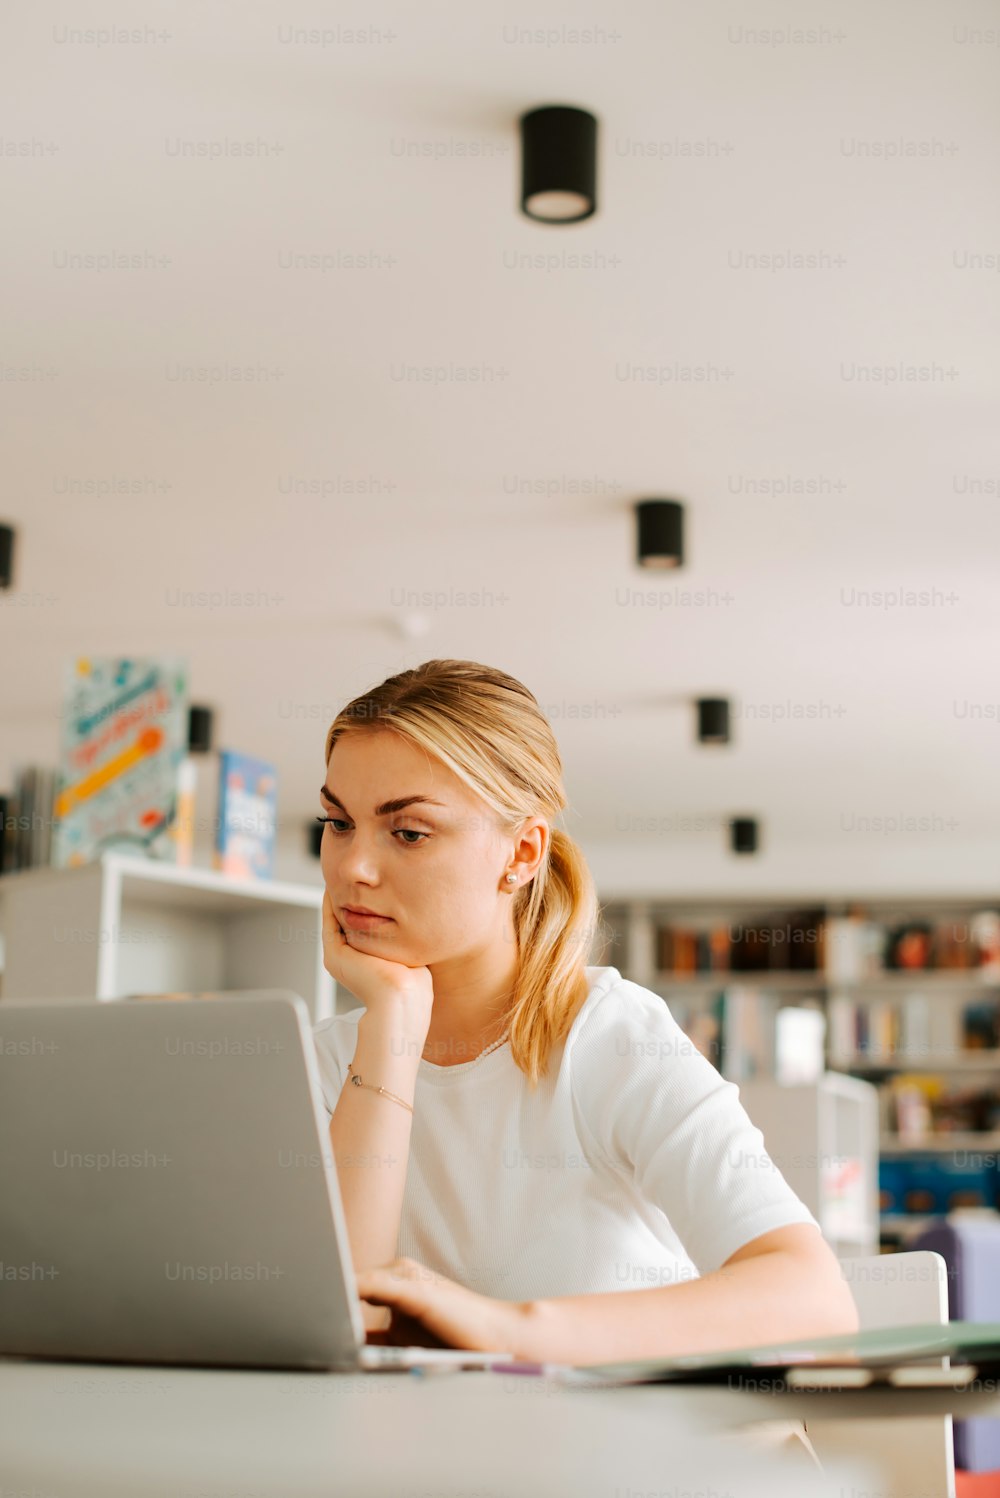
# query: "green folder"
[[901, 1355]]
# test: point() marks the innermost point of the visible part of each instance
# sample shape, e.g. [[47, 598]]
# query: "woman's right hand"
[[401, 997]]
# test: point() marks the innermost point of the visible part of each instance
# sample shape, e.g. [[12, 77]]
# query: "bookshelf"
[[926, 1038], [125, 925]]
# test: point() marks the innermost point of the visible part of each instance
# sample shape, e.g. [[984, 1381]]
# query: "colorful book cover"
[[248, 816], [124, 735]]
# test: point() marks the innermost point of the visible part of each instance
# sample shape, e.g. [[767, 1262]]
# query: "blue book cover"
[[247, 820]]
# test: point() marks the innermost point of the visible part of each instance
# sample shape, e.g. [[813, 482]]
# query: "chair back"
[[915, 1456], [901, 1289]]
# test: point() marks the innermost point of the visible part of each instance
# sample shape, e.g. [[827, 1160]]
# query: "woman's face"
[[435, 869]]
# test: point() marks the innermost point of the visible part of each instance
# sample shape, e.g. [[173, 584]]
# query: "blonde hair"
[[489, 730]]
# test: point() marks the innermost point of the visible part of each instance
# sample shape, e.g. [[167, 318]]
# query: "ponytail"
[[555, 928]]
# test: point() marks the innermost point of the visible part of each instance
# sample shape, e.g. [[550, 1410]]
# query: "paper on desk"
[[975, 1342]]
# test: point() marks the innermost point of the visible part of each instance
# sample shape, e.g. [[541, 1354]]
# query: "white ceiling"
[[404, 147]]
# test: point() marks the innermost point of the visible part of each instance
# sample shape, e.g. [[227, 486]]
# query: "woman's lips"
[[363, 922]]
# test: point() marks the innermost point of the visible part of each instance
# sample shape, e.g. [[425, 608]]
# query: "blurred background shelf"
[[124, 925], [974, 1061], [890, 1031], [967, 1141]]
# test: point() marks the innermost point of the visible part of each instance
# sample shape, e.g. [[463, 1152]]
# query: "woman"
[[523, 1137]]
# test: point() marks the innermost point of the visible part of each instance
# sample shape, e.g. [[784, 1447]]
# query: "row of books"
[[919, 1105], [844, 948], [788, 943], [746, 1033], [912, 1028], [26, 819]]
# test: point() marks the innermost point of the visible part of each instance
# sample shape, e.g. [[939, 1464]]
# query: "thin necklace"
[[491, 1047]]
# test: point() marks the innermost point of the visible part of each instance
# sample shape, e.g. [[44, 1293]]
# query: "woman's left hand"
[[429, 1310]]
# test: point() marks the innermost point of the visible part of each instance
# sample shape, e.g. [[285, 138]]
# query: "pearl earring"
[[511, 878]]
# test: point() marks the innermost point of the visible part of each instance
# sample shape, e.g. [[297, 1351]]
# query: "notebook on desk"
[[168, 1193], [899, 1356]]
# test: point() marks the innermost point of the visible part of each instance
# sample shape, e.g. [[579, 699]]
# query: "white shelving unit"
[[823, 1137], [124, 925]]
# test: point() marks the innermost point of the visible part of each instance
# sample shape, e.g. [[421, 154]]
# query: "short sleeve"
[[660, 1113], [335, 1041]]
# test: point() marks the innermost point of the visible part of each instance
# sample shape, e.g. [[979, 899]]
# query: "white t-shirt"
[[633, 1164]]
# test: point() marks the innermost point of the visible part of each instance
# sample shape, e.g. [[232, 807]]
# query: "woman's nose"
[[358, 859]]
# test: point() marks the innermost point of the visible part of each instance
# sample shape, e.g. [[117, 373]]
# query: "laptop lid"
[[167, 1189]]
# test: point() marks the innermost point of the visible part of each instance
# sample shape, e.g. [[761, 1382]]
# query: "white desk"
[[83, 1430]]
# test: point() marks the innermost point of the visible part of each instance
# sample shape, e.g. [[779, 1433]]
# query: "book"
[[25, 816], [747, 1035], [904, 1356], [41, 829], [124, 734], [247, 820]]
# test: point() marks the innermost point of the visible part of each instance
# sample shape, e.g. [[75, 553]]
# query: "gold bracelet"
[[371, 1088]]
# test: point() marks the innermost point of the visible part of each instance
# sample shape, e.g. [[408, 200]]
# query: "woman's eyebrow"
[[387, 806]]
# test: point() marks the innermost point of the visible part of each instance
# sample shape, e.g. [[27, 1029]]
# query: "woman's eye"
[[408, 832]]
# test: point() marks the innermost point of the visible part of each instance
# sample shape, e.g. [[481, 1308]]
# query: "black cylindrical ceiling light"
[[661, 533], [6, 555], [743, 834], [199, 730], [713, 720], [558, 164]]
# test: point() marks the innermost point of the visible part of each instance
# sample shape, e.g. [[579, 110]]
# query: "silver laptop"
[[168, 1192]]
